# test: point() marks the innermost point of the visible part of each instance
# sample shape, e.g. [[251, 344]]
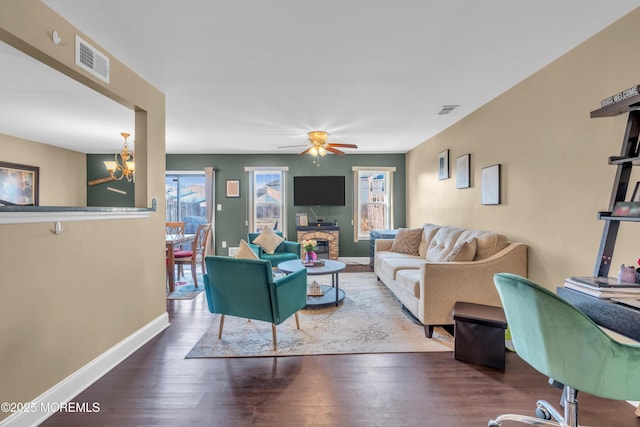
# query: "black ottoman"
[[479, 334]]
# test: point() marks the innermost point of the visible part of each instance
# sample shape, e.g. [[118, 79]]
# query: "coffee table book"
[[604, 293], [602, 282]]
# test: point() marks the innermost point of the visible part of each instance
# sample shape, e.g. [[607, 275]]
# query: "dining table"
[[173, 241]]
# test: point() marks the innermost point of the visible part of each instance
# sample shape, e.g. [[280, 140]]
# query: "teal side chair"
[[286, 251], [562, 343], [246, 288]]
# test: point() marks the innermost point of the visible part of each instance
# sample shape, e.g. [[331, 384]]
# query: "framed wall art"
[[302, 220], [463, 169], [491, 185], [443, 165], [233, 188], [18, 184]]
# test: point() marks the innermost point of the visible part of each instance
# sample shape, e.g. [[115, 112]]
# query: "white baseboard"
[[354, 260], [46, 404]]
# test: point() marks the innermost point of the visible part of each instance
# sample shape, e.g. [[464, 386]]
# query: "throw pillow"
[[407, 241], [245, 251], [464, 251], [443, 243], [268, 240]]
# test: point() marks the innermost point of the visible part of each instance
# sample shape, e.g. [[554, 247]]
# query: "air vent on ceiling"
[[91, 60], [446, 109]]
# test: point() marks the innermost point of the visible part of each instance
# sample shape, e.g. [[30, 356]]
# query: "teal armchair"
[[286, 251], [562, 343], [246, 288]]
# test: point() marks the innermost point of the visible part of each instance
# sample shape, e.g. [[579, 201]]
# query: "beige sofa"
[[430, 268]]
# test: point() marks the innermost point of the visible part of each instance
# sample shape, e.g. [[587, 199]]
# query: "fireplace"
[[327, 237]]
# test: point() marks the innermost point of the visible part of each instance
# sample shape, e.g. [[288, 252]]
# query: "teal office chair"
[[246, 288], [561, 342], [286, 251]]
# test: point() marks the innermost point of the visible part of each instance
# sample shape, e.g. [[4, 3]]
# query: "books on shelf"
[[603, 287]]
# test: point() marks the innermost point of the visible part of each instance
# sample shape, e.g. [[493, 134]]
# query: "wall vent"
[[446, 109], [90, 59]]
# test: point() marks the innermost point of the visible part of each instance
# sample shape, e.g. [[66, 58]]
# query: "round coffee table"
[[332, 294]]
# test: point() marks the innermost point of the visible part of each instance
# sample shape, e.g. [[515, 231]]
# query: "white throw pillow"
[[245, 251], [268, 240], [463, 251]]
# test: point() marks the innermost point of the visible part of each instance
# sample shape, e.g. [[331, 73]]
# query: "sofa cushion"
[[409, 280], [488, 242], [391, 266], [245, 251], [268, 240], [462, 251], [428, 231], [407, 241], [443, 243]]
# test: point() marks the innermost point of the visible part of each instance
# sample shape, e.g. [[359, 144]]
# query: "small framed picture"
[[233, 188], [18, 184], [491, 185], [443, 165], [463, 168], [302, 220]]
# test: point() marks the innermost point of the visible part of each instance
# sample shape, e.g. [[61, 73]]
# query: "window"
[[373, 200], [267, 201], [186, 202]]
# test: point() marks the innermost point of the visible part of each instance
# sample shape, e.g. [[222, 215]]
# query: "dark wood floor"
[[157, 386]]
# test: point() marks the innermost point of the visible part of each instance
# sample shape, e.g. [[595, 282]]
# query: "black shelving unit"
[[629, 157]]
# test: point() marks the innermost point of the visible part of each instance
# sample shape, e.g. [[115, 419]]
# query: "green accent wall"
[[231, 222]]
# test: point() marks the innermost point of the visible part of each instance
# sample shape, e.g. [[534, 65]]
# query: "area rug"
[[185, 288], [369, 320]]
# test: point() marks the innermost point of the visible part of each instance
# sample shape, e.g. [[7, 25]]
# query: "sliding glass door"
[[185, 192]]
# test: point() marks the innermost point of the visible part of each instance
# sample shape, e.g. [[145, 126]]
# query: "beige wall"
[[555, 175], [68, 298], [62, 172]]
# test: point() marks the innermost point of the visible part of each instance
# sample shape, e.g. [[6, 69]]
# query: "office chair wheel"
[[542, 413]]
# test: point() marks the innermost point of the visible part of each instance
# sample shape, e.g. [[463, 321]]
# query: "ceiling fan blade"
[[334, 151], [331, 144], [291, 146], [306, 151]]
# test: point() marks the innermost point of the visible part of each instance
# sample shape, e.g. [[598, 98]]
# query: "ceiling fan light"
[[314, 151], [322, 152]]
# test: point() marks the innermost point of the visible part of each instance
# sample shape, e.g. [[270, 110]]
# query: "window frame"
[[388, 172], [251, 196]]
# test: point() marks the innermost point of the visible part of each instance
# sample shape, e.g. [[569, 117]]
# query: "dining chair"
[[175, 228], [197, 253]]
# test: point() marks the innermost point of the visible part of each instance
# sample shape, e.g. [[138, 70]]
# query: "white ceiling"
[[251, 76]]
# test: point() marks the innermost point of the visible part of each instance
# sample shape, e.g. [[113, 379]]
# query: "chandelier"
[[124, 165]]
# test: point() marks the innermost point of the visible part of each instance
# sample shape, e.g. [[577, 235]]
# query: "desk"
[[171, 242], [609, 314]]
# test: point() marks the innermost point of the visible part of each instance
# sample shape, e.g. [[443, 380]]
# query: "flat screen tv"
[[318, 191]]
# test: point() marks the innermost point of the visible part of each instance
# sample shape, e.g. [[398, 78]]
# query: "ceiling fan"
[[320, 147]]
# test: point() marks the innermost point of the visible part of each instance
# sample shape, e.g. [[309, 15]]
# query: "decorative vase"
[[627, 274], [310, 256]]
